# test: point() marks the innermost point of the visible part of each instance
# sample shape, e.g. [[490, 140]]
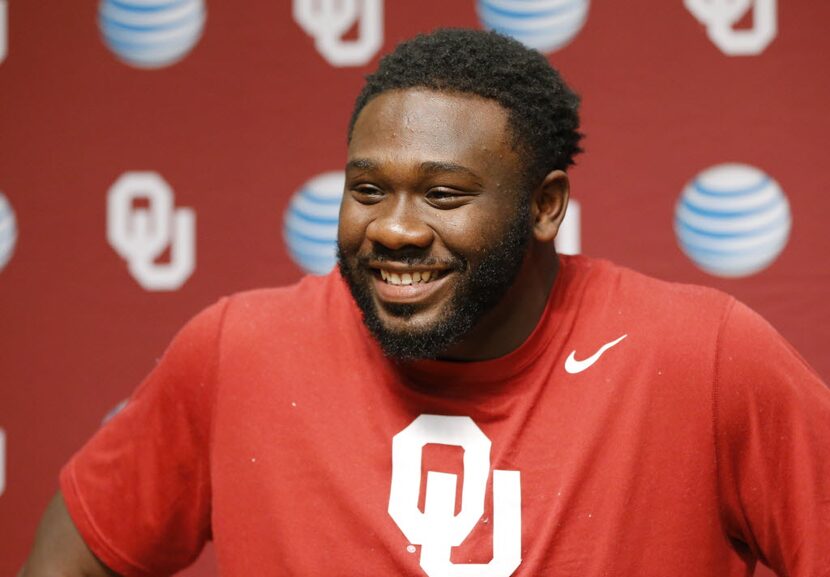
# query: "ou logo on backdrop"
[[141, 235], [328, 20], [2, 461], [438, 529], [719, 17]]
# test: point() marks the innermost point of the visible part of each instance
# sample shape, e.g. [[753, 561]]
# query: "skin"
[[432, 176], [59, 550]]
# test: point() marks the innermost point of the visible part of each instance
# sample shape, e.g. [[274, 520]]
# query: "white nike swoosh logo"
[[574, 366]]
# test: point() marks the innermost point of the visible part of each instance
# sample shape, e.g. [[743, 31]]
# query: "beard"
[[480, 287]]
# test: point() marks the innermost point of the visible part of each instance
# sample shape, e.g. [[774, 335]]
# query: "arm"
[[136, 499], [773, 448], [59, 550]]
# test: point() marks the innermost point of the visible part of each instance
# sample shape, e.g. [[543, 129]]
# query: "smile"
[[397, 283], [408, 278]]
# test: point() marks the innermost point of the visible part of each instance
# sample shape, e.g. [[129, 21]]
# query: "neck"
[[504, 328]]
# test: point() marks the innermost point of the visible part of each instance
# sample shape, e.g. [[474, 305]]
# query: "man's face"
[[433, 226]]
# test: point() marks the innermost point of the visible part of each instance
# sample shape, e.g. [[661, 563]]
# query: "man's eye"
[[366, 193], [438, 194], [445, 198]]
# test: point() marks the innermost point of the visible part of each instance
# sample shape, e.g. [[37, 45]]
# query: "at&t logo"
[[720, 17], [732, 220], [151, 33], [8, 231], [311, 222], [545, 25], [438, 529], [327, 21], [142, 225], [4, 29]]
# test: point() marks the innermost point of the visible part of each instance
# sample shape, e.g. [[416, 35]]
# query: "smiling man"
[[456, 399], [436, 224]]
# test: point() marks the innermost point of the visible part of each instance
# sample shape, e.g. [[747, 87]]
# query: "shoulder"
[[755, 362], [712, 334], [246, 311], [281, 321], [308, 289], [651, 304], [311, 298]]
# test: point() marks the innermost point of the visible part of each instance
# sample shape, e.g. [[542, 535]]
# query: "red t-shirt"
[[692, 446]]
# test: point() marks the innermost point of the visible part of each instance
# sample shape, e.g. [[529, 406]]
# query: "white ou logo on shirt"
[[437, 529]]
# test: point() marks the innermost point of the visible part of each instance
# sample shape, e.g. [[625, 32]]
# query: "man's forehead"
[[434, 126], [422, 107], [426, 167]]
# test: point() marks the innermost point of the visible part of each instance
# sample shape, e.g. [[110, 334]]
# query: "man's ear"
[[548, 205]]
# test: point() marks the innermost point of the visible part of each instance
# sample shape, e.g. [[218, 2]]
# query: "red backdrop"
[[255, 110]]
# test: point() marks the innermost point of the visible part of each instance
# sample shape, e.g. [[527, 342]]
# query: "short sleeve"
[[772, 423], [139, 491]]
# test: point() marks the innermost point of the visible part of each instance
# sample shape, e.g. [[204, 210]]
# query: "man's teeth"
[[406, 278]]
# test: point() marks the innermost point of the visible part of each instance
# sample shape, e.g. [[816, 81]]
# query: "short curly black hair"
[[542, 110]]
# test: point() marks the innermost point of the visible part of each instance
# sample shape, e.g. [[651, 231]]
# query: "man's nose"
[[400, 226]]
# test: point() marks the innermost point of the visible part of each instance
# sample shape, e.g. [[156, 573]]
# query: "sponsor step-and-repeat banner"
[[158, 154]]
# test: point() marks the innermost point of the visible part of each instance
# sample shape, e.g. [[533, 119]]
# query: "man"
[[434, 407]]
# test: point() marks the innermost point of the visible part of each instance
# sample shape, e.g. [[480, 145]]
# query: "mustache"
[[411, 256]]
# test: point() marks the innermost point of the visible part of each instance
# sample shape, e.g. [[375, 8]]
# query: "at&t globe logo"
[[732, 220], [545, 25], [311, 223], [151, 33], [8, 231]]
